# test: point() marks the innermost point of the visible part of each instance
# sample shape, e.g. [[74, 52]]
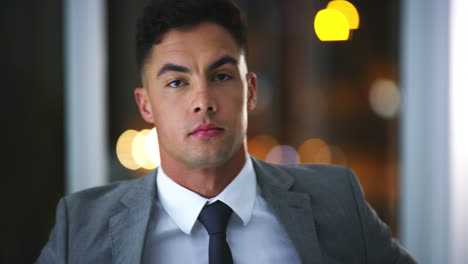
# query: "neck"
[[207, 182]]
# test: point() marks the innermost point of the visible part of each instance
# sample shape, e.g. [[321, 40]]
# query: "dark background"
[[32, 125]]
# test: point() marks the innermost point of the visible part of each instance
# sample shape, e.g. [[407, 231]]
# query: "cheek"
[[234, 96], [161, 116], [235, 110], [169, 119]]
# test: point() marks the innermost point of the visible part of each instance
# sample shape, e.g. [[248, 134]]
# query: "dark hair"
[[161, 16]]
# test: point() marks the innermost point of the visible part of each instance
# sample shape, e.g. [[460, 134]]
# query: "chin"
[[212, 156], [201, 160], [209, 159]]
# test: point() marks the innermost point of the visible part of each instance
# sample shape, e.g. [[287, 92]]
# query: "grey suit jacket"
[[322, 208]]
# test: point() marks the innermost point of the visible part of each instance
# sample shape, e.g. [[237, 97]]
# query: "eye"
[[221, 77], [176, 83]]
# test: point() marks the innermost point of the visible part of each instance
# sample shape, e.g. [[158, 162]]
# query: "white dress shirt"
[[254, 234]]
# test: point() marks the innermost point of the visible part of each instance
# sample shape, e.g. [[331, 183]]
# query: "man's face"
[[197, 92]]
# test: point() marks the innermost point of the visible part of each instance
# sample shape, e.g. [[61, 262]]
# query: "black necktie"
[[215, 217]]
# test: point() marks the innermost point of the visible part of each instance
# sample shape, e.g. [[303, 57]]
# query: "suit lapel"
[[293, 210], [128, 227]]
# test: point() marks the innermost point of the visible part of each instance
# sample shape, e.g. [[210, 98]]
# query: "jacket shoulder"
[[102, 199], [317, 172], [311, 178]]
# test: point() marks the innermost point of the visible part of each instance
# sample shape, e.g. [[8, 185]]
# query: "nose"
[[200, 109], [204, 101]]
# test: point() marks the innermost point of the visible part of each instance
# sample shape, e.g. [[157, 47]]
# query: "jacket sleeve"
[[380, 247], [55, 251]]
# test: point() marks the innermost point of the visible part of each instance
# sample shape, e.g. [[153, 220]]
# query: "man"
[[209, 201]]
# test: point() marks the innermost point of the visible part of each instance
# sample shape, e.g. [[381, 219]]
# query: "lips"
[[206, 131]]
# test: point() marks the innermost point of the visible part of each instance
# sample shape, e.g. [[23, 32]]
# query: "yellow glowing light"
[[124, 150], [348, 10], [139, 150], [331, 25], [315, 151], [259, 146], [152, 147]]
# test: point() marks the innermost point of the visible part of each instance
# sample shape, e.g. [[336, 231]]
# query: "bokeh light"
[[259, 146], [331, 25], [348, 10], [384, 98], [315, 151], [139, 150], [152, 147], [283, 155], [124, 149]]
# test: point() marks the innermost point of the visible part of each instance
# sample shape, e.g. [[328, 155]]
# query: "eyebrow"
[[220, 62], [178, 68], [172, 67]]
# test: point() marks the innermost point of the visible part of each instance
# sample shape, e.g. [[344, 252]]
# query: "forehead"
[[201, 43]]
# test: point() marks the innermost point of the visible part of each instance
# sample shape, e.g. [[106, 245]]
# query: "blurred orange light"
[[152, 147], [124, 149], [348, 10], [315, 151], [260, 146], [139, 150], [331, 25]]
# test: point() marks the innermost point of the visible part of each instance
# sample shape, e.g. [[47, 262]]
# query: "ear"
[[144, 105], [251, 91]]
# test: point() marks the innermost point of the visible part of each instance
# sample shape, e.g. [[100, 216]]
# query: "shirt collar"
[[183, 206]]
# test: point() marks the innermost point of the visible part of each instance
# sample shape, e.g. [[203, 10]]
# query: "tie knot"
[[215, 217]]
